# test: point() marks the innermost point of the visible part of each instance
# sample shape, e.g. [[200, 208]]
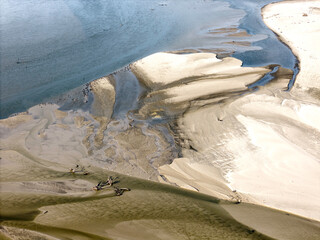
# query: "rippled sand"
[[259, 148], [40, 198], [43, 196], [194, 123], [39, 201]]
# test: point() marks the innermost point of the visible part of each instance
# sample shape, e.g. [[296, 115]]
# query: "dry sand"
[[259, 148], [161, 69], [265, 146], [177, 80], [39, 194], [41, 199], [298, 25]]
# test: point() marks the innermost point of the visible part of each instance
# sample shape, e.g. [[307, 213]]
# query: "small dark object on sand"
[[101, 185], [77, 169], [120, 191], [111, 180]]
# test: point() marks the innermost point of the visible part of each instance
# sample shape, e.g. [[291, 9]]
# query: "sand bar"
[[297, 23], [265, 145], [260, 148]]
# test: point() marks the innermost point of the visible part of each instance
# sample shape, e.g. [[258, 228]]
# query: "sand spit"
[[161, 69], [298, 23], [104, 96], [184, 85], [177, 80], [227, 142]]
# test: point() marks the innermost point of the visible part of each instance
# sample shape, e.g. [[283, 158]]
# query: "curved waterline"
[[74, 42]]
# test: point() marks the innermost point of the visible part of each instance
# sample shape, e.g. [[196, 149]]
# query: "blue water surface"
[[48, 47]]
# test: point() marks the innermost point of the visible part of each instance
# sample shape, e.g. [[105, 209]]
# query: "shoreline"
[[202, 40], [276, 18], [283, 41], [263, 187], [250, 159]]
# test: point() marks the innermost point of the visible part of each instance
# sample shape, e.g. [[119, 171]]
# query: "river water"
[[48, 47]]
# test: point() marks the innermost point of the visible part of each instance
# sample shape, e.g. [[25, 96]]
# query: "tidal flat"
[[43, 203], [209, 134]]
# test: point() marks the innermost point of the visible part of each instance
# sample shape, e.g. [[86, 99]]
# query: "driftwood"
[[78, 169], [109, 183], [101, 185], [112, 180], [120, 191]]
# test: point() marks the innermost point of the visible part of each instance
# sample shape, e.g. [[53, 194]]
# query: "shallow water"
[[272, 50], [55, 46], [50, 47]]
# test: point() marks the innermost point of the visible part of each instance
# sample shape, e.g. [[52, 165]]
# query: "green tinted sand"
[[63, 205]]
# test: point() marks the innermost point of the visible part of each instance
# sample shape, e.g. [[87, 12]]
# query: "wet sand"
[[38, 200], [263, 145], [41, 198], [202, 129], [238, 148]]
